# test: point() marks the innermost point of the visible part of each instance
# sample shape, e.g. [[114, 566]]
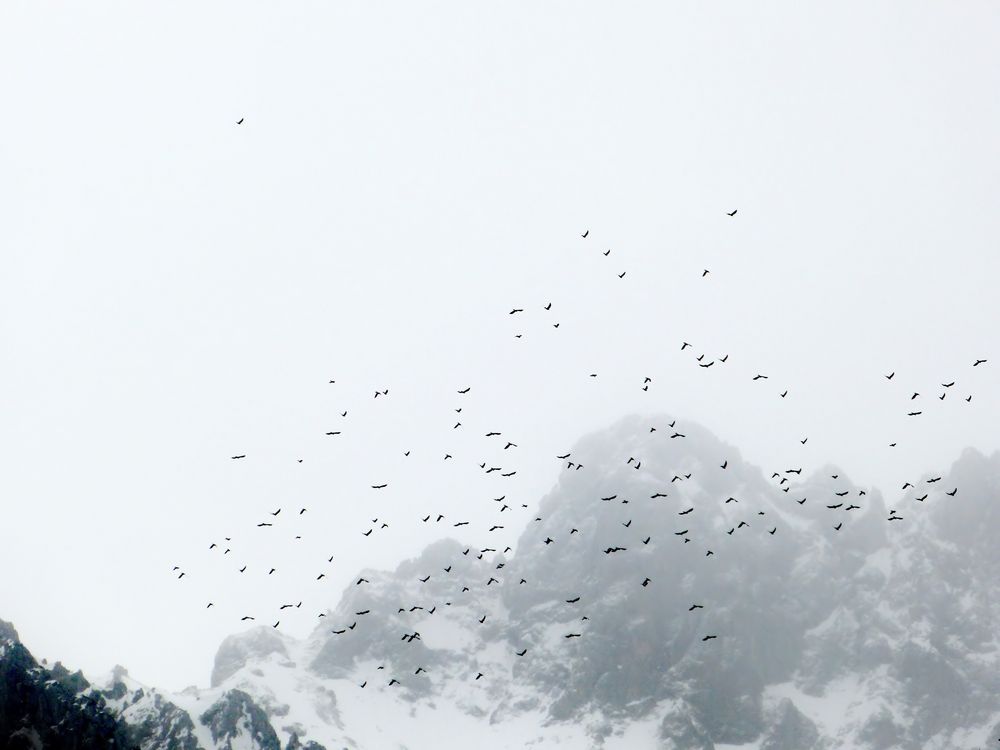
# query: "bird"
[[704, 273], [621, 275], [245, 618], [522, 652], [725, 463], [379, 486], [979, 362], [584, 235], [760, 377], [732, 213], [708, 638], [573, 601], [890, 375], [646, 581], [466, 390], [572, 635], [236, 457], [240, 122], [837, 527]]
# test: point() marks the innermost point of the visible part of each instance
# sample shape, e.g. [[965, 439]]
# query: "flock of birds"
[[839, 502]]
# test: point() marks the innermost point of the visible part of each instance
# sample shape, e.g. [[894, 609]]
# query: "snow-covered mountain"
[[879, 634]]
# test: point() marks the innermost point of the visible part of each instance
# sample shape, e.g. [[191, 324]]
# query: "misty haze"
[[525, 375]]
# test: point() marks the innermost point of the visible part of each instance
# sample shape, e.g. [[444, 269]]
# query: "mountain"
[[51, 708], [881, 634]]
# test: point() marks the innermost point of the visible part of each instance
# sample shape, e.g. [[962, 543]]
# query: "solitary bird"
[[732, 213]]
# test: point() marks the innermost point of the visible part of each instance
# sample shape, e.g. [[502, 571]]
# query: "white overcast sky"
[[176, 289]]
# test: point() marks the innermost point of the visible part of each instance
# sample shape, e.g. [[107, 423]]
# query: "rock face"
[[50, 709], [237, 722], [835, 626]]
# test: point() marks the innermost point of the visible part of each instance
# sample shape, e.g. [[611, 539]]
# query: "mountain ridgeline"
[[669, 596]]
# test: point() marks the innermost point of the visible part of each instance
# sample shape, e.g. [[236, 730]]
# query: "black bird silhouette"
[[948, 385], [621, 275], [708, 638], [979, 362], [584, 235], [890, 375], [685, 512], [572, 635], [466, 390], [235, 457], [952, 493], [646, 581], [245, 618], [760, 377], [732, 213], [914, 413], [573, 601], [837, 527], [379, 486], [725, 463], [240, 122], [522, 652], [209, 605]]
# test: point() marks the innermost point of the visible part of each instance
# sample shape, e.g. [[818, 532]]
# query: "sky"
[[176, 289]]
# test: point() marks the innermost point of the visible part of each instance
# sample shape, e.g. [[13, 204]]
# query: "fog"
[[177, 289]]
